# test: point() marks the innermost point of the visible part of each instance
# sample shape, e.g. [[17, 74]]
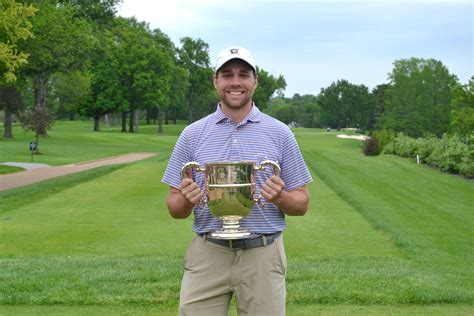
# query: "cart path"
[[18, 179]]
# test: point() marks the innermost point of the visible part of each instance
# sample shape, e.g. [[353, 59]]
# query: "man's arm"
[[294, 202], [181, 200]]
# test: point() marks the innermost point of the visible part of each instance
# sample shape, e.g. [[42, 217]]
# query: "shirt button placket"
[[235, 147]]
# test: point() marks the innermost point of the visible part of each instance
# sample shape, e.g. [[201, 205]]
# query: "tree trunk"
[[137, 120], [166, 117], [7, 132], [131, 123], [37, 144], [96, 123], [41, 82], [124, 122], [190, 119], [148, 116], [160, 121], [106, 121], [10, 97]]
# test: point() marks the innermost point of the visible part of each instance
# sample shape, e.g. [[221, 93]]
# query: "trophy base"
[[228, 235], [231, 229]]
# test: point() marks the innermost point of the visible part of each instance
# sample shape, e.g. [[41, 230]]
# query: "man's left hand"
[[272, 189]]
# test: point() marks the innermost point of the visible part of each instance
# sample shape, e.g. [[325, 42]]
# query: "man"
[[216, 269]]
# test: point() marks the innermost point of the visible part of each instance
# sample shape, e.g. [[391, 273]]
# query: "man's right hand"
[[190, 191]]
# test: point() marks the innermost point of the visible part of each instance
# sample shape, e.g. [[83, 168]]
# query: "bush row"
[[451, 153]]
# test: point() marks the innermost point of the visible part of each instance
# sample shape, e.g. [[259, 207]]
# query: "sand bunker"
[[358, 137]]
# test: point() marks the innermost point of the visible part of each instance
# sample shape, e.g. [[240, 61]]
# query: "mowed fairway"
[[383, 236]]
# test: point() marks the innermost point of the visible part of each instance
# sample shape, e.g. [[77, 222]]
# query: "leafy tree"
[[99, 13], [193, 56], [10, 101], [306, 109], [419, 99], [346, 105], [61, 43], [281, 109], [37, 119], [179, 91], [71, 89], [463, 108], [379, 93], [15, 26], [267, 86], [144, 61]]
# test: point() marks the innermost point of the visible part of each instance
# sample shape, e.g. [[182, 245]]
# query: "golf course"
[[383, 236]]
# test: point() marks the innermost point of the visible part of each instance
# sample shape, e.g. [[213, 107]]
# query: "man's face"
[[235, 83]]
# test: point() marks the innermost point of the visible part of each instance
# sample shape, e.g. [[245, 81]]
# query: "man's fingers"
[[190, 190]]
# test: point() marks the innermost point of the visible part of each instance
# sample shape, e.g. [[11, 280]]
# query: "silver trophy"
[[230, 192]]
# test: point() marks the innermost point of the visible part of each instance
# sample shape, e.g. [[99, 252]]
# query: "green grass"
[[383, 235], [9, 169], [74, 141]]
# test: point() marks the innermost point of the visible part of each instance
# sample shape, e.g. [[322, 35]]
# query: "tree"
[[37, 119], [267, 86], [61, 43], [462, 105], [419, 99], [10, 101], [144, 61], [379, 93], [15, 26], [193, 56], [306, 109], [346, 105], [179, 91], [71, 89]]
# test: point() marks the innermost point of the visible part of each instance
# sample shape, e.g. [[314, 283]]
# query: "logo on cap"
[[234, 50]]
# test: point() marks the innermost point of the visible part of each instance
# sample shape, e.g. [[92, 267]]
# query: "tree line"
[[66, 58], [422, 97]]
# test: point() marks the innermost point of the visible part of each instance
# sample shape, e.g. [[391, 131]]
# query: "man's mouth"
[[236, 92]]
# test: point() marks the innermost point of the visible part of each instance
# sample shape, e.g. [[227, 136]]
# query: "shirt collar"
[[252, 116]]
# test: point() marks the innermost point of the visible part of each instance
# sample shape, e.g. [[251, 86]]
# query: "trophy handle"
[[189, 165], [276, 171], [197, 168]]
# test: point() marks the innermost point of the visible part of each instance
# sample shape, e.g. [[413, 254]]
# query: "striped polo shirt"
[[216, 138]]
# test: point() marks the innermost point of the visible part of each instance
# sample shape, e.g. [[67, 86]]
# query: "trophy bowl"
[[230, 192]]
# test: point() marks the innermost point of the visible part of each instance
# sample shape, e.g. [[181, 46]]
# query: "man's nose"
[[235, 81]]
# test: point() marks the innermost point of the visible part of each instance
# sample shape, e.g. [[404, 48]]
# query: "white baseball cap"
[[235, 52]]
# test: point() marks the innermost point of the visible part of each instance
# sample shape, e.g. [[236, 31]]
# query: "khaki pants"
[[212, 273]]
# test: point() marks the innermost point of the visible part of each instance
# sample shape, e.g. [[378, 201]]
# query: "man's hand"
[[272, 189], [190, 191], [181, 200], [294, 202]]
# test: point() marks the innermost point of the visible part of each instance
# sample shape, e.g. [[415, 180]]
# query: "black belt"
[[259, 241]]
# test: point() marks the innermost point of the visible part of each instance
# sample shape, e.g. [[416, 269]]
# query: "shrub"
[[402, 145], [371, 147], [450, 153], [383, 137], [425, 146]]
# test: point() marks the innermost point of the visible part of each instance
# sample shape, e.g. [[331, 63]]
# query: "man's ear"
[[214, 80]]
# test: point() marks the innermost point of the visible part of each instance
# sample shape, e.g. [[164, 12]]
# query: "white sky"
[[313, 43]]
